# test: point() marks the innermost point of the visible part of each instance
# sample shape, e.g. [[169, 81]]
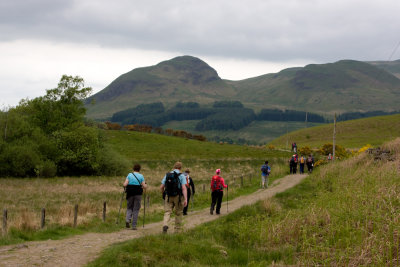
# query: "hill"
[[349, 134], [179, 79], [339, 87], [390, 66], [343, 86]]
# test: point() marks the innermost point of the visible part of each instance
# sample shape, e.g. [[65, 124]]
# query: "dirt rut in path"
[[81, 249]]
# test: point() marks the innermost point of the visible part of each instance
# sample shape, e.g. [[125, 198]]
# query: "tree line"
[[49, 136], [150, 129], [222, 115], [359, 115]]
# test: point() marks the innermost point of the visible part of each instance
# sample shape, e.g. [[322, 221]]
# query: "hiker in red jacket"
[[217, 188]]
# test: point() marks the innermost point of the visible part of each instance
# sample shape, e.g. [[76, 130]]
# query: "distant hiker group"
[[294, 160]]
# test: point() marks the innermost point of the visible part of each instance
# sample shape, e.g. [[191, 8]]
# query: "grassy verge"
[[345, 214]]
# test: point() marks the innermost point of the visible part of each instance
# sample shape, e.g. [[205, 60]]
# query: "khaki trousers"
[[171, 204]]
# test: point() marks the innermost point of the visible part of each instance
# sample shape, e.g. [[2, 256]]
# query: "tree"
[[61, 107]]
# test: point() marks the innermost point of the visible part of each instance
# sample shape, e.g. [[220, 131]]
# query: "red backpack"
[[216, 183]]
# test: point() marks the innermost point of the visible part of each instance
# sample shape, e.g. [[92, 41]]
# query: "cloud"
[[98, 40], [323, 30]]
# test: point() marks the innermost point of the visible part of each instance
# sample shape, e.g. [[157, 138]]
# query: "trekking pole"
[[144, 209], [120, 206], [227, 194]]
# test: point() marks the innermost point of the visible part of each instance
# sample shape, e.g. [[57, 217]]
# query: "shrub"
[[48, 169], [306, 150], [271, 147], [111, 163], [339, 150]]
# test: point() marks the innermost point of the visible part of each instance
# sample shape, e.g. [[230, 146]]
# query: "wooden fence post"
[[43, 218], [204, 188], [75, 215], [4, 221], [241, 181], [104, 211]]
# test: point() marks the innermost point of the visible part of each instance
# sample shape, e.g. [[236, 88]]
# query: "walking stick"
[[120, 206], [227, 193], [144, 209]]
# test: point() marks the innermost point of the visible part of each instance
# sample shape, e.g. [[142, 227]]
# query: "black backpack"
[[172, 184]]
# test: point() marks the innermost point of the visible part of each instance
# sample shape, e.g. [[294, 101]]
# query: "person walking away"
[[189, 184], [265, 171], [302, 162], [291, 165], [310, 163], [174, 186], [296, 161], [295, 148], [217, 191], [134, 185]]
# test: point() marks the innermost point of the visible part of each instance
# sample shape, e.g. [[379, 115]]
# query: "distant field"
[[144, 146], [349, 134], [259, 132]]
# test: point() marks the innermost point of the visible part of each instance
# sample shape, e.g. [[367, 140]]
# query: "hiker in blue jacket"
[[134, 184], [265, 171]]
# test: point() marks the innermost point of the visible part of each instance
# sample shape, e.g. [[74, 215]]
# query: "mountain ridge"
[[342, 86]]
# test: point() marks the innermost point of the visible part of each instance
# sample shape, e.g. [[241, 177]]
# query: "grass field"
[[24, 198], [345, 214], [257, 132], [349, 134]]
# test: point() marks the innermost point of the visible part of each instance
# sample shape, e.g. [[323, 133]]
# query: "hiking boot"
[[165, 229], [134, 228], [211, 211], [127, 225]]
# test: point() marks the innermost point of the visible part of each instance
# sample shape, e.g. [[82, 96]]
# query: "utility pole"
[[306, 118], [334, 138]]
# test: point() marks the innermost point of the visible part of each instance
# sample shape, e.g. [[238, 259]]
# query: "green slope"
[[183, 78], [349, 134], [343, 86], [144, 146], [257, 132]]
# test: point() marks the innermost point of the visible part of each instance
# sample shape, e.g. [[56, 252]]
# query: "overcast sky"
[[40, 40]]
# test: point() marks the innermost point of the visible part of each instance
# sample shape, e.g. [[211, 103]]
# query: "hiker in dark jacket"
[[134, 184], [293, 164], [174, 201], [310, 163], [217, 188], [189, 184]]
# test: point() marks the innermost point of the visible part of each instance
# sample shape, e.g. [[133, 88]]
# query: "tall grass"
[[344, 214]]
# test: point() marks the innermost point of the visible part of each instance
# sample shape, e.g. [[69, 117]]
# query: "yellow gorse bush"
[[364, 148]]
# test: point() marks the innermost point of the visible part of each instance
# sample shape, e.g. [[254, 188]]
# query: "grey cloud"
[[319, 30]]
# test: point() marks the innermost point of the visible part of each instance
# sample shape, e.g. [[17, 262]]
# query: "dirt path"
[[81, 249]]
